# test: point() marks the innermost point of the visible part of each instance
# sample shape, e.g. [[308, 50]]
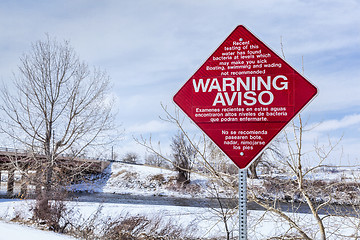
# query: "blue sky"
[[150, 48]]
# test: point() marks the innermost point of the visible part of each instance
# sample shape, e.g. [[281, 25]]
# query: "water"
[[297, 207], [332, 209]]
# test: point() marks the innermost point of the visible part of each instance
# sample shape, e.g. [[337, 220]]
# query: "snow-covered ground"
[[16, 231], [204, 222], [124, 178], [147, 180], [10, 228]]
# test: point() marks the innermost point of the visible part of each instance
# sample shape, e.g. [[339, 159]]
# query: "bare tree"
[[264, 160], [155, 160], [297, 187], [130, 157], [184, 155], [220, 162], [57, 104]]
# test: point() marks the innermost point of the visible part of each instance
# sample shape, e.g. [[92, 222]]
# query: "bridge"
[[12, 160]]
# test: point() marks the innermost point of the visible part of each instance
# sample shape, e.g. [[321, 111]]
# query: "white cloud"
[[153, 126], [335, 124]]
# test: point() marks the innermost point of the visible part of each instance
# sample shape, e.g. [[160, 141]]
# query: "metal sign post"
[[242, 204]]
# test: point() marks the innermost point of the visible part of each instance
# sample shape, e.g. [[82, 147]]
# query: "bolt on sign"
[[243, 96]]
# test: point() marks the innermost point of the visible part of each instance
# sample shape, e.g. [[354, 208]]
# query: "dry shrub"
[[186, 188], [54, 214], [317, 190], [88, 228], [192, 188], [18, 216], [140, 227], [130, 176], [278, 189], [287, 237], [118, 173], [67, 220], [158, 178], [128, 227]]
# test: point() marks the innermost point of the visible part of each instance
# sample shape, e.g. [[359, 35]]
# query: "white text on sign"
[[242, 91]]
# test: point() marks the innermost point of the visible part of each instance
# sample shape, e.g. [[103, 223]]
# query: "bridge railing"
[[65, 155], [15, 150], [9, 150]]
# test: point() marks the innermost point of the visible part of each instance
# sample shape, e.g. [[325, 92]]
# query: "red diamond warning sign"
[[243, 96]]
